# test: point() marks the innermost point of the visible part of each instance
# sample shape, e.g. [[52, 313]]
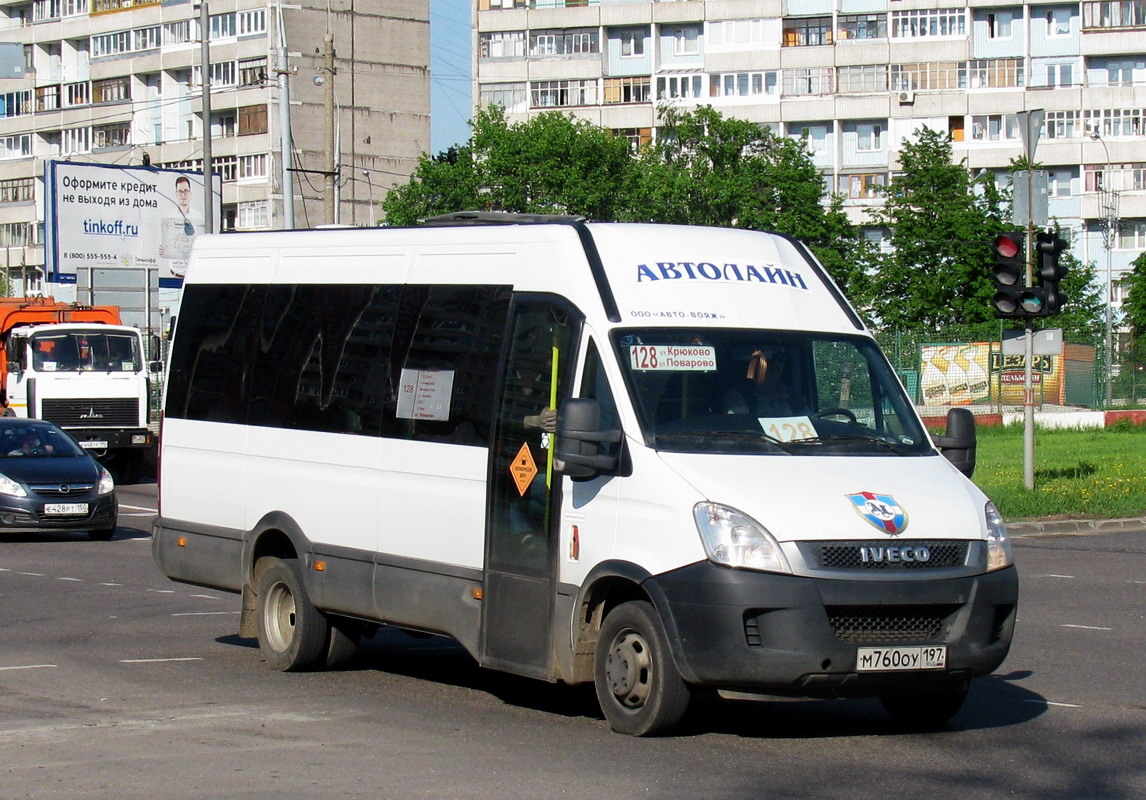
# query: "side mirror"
[[958, 443], [14, 368], [155, 367], [578, 436]]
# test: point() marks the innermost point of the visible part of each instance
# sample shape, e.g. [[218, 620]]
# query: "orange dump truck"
[[79, 367]]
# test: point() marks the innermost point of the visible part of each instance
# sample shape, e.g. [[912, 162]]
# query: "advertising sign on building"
[[103, 216]]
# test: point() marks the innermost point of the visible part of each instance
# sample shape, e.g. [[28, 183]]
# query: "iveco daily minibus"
[[657, 458]]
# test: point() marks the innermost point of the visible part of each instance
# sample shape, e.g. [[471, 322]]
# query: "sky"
[[450, 99]]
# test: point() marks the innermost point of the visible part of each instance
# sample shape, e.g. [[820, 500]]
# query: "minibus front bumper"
[[800, 636]]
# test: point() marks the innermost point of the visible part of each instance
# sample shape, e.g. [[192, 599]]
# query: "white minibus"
[[657, 458]]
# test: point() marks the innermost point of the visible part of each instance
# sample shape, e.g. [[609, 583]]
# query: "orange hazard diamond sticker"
[[523, 469]]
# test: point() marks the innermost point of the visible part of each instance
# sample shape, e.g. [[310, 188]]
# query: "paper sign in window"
[[425, 394]]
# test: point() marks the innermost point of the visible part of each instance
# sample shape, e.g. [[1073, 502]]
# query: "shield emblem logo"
[[880, 510]]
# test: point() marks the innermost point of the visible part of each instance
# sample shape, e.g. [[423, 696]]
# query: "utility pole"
[[205, 79], [331, 172], [286, 181]]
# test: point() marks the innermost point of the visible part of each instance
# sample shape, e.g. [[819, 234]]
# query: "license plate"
[[93, 445], [65, 508], [895, 659]]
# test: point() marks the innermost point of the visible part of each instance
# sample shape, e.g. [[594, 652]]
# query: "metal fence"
[[964, 366]]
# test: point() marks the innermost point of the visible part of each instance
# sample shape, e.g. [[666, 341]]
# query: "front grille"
[[56, 490], [850, 555], [115, 412], [879, 624]]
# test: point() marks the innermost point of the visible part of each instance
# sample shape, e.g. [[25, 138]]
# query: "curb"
[[1075, 527]]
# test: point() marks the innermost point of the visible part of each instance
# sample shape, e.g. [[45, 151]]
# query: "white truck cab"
[[657, 458]]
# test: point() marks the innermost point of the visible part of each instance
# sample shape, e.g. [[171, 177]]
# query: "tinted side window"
[[215, 342]]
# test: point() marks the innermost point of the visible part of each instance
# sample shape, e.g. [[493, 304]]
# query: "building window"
[[561, 43], [994, 73], [115, 135], [77, 94], [1060, 74], [222, 26], [815, 80], [43, 10], [19, 234], [1058, 22], [928, 23], [252, 167], [177, 32], [1131, 234], [47, 97], [814, 135], [744, 84], [112, 90], [865, 78], [861, 26], [17, 190], [632, 43], [16, 104], [1114, 14], [869, 136], [638, 137], [16, 146], [75, 140], [252, 119], [1110, 122], [73, 8], [628, 90], [502, 44], [733, 34], [559, 94], [1119, 72], [253, 71], [110, 44], [1059, 182], [512, 97], [1062, 125], [867, 186], [149, 38], [995, 128], [680, 87], [686, 41], [227, 167], [807, 31], [999, 24], [253, 214], [252, 22], [1116, 177]]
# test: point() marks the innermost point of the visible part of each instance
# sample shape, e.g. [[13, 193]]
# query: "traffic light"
[[1048, 272], [1010, 276]]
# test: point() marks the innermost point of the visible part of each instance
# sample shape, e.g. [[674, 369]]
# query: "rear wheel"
[[925, 710], [638, 686], [293, 634]]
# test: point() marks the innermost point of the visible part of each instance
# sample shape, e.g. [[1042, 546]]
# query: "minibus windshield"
[[768, 392]]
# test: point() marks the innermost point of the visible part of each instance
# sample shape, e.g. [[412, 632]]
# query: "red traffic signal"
[[1009, 273]]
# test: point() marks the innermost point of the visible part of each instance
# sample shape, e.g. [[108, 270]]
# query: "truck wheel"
[[638, 686], [925, 710], [293, 634]]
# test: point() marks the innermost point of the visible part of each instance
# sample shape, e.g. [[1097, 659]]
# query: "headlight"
[[733, 539], [998, 545], [10, 487], [106, 484]]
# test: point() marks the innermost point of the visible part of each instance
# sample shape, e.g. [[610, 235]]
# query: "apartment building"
[[854, 79], [120, 82]]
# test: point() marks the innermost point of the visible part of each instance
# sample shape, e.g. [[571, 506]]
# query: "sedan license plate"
[[896, 659], [65, 508], [93, 445]]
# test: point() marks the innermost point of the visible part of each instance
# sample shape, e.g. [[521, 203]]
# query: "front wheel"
[[293, 634], [924, 710], [638, 686]]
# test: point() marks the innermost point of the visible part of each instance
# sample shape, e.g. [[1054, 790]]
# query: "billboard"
[[102, 216]]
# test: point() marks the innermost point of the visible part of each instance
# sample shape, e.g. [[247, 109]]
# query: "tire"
[[293, 634], [638, 686], [924, 710], [101, 534], [342, 645]]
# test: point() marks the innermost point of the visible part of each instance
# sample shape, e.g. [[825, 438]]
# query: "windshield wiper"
[[753, 436], [853, 437]]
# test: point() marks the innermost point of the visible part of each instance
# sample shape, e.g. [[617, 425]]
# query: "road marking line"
[[1052, 575], [29, 666], [162, 591], [139, 508], [33, 574], [1049, 703], [138, 514], [207, 596], [111, 584], [203, 613], [1087, 627], [76, 580], [154, 660]]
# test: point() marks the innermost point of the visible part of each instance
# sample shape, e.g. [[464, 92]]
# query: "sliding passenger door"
[[524, 492]]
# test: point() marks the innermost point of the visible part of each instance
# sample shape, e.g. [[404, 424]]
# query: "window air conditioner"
[[906, 98]]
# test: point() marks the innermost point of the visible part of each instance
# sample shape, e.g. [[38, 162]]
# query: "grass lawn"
[[1078, 474]]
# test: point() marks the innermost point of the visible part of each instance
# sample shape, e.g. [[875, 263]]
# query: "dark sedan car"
[[49, 483]]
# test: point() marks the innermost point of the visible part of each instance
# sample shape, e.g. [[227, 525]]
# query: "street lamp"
[[1108, 201], [370, 187]]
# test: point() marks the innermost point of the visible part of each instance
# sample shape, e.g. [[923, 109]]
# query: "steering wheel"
[[836, 412]]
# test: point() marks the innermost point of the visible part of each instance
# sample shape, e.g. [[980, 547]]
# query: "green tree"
[[941, 228], [1134, 300]]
